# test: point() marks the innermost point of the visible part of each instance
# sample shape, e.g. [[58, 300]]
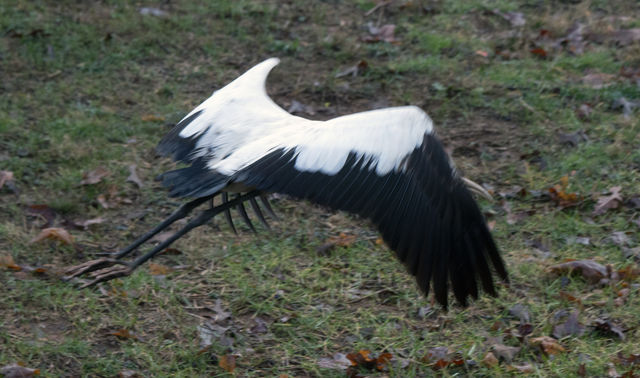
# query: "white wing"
[[385, 165]]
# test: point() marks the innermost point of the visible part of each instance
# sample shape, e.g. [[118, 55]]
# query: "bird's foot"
[[100, 270]]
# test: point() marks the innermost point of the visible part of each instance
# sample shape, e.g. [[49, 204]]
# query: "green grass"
[[79, 82]]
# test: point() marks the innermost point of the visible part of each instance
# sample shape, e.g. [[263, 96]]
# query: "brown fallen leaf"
[[43, 211], [227, 362], [385, 33], [441, 357], [354, 70], [547, 344], [133, 176], [342, 240], [123, 334], [18, 371], [505, 352], [589, 269], [611, 201], [525, 368], [540, 52], [490, 360], [54, 233], [158, 269], [6, 261], [5, 177], [95, 176]]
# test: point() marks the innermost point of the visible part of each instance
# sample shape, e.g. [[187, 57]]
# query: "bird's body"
[[386, 165]]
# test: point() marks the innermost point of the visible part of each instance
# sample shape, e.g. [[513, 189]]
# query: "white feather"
[[241, 124]]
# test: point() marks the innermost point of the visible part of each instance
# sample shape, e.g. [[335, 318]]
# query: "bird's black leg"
[[227, 212], [244, 215], [93, 265], [107, 269], [258, 212], [180, 213], [267, 206]]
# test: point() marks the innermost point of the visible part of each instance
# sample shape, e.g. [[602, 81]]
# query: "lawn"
[[537, 101]]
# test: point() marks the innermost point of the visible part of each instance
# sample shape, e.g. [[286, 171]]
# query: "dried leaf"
[[158, 269], [133, 176], [605, 327], [548, 345], [441, 357], [611, 201], [337, 361], [542, 53], [342, 240], [490, 360], [385, 33], [5, 177], [102, 200], [589, 269], [525, 368], [18, 371], [505, 352], [6, 261], [123, 334], [95, 176], [571, 327], [152, 118], [54, 233], [227, 362], [354, 70], [43, 211]]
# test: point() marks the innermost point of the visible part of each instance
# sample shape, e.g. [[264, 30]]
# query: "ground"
[[535, 100]]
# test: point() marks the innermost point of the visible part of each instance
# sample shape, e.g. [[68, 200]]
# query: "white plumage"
[[385, 165]]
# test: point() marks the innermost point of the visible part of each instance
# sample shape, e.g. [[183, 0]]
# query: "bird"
[[386, 165]]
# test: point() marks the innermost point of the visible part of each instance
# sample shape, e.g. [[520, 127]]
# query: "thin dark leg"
[[180, 213], [106, 269], [245, 216], [258, 212], [267, 207], [227, 212]]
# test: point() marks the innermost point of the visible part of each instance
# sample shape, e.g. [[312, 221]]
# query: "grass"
[[89, 86]]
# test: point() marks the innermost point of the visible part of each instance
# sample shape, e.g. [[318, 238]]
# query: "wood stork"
[[386, 165]]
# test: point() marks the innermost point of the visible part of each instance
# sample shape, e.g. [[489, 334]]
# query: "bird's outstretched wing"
[[421, 207], [385, 165]]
